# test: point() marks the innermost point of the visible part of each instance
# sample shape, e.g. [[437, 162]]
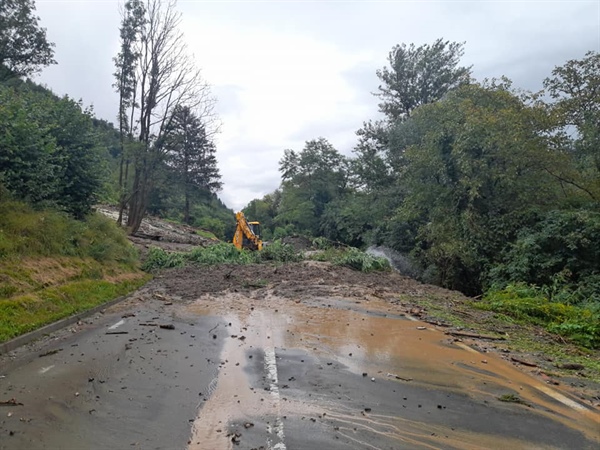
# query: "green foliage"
[[51, 153], [19, 315], [321, 243], [26, 232], [190, 154], [221, 253], [280, 252], [281, 232], [419, 75], [207, 211], [361, 261], [311, 179], [215, 226], [528, 303], [157, 258], [562, 249], [24, 49]]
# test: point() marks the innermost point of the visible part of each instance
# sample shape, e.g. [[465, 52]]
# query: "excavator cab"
[[255, 228], [247, 234]]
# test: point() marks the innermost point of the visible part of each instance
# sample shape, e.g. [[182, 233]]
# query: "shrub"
[[280, 252], [358, 260], [157, 258], [561, 250], [221, 253]]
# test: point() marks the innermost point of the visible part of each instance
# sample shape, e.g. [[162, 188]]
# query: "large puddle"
[[364, 339]]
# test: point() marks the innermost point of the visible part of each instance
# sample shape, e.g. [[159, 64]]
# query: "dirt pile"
[[158, 232]]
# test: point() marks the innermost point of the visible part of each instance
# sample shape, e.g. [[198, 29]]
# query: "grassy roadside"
[[52, 266], [27, 312]]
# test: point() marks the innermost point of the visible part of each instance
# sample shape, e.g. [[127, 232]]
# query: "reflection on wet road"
[[254, 370], [370, 381]]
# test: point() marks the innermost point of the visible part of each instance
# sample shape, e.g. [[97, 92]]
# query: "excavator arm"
[[245, 236]]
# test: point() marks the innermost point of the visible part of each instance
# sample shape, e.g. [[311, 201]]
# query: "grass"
[[52, 266], [27, 312], [527, 304], [207, 234], [512, 398]]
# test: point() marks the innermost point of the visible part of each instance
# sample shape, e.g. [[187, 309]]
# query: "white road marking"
[[117, 325], [46, 369], [561, 398], [271, 367], [465, 347]]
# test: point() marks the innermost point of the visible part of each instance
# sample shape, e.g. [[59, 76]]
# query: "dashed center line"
[[46, 369], [271, 368], [117, 325]]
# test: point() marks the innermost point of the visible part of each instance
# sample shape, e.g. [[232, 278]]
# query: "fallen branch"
[[51, 352], [475, 336], [525, 363], [117, 332], [11, 402]]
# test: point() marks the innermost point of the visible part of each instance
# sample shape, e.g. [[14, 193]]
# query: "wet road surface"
[[253, 370]]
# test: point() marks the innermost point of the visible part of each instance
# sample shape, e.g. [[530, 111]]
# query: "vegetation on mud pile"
[[278, 252], [52, 266]]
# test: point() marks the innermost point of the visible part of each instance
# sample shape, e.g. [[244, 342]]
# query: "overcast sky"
[[286, 72]]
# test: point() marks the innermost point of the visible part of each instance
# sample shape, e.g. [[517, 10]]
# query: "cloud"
[[287, 72]]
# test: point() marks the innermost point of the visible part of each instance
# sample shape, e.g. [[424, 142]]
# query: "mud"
[[396, 354], [318, 357]]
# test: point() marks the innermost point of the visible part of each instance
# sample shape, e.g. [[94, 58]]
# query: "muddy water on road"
[[364, 337]]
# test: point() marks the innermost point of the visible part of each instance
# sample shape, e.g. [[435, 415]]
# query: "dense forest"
[[159, 158], [478, 185]]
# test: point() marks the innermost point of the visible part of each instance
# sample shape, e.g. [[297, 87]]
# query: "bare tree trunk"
[[166, 78]]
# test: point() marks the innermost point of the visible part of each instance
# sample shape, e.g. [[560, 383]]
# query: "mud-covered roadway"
[[301, 356]]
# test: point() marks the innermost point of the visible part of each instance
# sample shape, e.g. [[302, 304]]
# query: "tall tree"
[[191, 154], [575, 88], [166, 77], [133, 17], [311, 179], [24, 49], [419, 75]]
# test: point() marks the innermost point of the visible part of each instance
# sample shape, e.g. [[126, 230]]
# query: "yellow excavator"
[[247, 234]]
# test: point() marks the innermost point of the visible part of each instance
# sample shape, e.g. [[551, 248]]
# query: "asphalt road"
[[249, 372]]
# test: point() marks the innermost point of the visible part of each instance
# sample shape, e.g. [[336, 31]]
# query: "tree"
[[475, 173], [418, 76], [24, 49], [125, 83], [575, 88], [311, 179], [50, 152], [166, 77], [191, 154]]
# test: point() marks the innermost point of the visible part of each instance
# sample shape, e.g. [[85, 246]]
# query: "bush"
[[222, 253], [280, 252], [157, 258], [562, 250], [358, 260]]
